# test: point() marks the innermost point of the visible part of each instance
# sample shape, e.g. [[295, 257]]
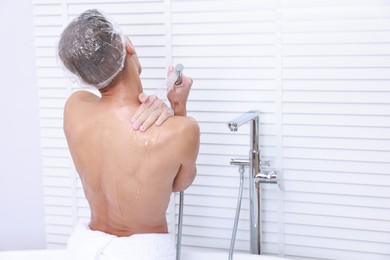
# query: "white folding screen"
[[319, 73], [229, 49], [336, 128]]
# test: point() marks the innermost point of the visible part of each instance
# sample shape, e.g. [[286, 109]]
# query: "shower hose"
[[239, 199], [238, 209]]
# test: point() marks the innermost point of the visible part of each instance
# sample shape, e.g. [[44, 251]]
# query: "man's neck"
[[124, 90]]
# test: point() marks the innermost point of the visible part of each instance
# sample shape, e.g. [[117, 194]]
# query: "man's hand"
[[152, 110], [178, 94]]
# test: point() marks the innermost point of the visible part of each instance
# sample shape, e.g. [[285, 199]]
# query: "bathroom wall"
[[21, 191], [319, 73]]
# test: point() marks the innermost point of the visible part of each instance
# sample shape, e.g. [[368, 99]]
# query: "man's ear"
[[129, 47]]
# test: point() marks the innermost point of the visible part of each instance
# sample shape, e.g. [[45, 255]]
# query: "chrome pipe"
[[180, 226], [254, 187]]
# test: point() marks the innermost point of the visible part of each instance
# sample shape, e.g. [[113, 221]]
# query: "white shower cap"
[[92, 49]]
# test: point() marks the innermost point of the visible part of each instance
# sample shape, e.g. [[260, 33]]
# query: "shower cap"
[[92, 49]]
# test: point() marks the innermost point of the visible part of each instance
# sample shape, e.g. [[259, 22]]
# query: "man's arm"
[[187, 146]]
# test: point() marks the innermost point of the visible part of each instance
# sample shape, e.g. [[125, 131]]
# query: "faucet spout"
[[242, 119]]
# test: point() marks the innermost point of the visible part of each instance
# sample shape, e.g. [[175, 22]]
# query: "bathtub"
[[186, 255]]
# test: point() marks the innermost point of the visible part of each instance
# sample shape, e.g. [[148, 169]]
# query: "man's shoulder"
[[185, 124], [78, 103], [81, 96], [186, 138], [78, 99], [184, 131]]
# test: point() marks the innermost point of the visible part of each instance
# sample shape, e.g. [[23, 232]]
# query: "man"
[[127, 175]]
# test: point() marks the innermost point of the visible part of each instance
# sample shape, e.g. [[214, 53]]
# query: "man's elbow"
[[181, 185]]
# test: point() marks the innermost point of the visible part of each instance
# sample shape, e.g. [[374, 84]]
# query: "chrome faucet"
[[242, 119], [257, 176]]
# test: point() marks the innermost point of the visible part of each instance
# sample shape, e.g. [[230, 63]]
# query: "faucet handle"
[[246, 162], [267, 177], [239, 162]]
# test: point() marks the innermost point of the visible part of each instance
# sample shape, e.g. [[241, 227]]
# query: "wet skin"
[[129, 175]]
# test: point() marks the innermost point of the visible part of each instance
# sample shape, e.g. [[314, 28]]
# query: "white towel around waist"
[[86, 244]]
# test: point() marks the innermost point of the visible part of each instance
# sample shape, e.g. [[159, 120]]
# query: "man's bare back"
[[128, 175]]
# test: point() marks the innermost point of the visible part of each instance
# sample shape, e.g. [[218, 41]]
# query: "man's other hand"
[[152, 110], [178, 94]]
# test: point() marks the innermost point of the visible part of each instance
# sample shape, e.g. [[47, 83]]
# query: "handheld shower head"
[[179, 72], [174, 78]]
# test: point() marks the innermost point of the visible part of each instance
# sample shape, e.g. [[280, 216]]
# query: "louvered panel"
[[342, 120], [142, 18], [53, 20], [230, 107], [52, 133], [50, 113], [335, 129], [373, 202], [341, 109], [230, 55], [333, 154], [266, 50], [231, 95], [105, 1], [337, 97], [224, 117], [216, 16], [48, 21], [53, 142], [77, 7]]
